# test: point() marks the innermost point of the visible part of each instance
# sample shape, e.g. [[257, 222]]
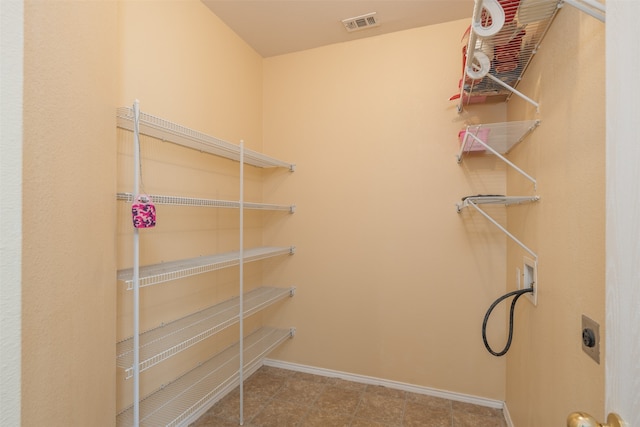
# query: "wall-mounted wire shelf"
[[169, 339], [168, 131], [209, 203], [475, 201], [178, 402], [498, 47], [174, 270], [495, 200], [498, 139]]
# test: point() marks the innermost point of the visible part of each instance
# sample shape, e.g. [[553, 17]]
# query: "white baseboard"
[[507, 415], [459, 397]]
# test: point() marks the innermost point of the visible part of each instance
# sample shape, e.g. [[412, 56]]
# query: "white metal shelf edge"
[[169, 339], [174, 270], [176, 402], [208, 203], [181, 135]]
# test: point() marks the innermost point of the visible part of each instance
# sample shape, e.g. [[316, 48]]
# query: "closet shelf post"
[[136, 270]]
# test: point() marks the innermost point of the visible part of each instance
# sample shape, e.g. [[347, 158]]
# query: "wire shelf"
[[495, 57], [495, 200], [475, 201], [174, 270], [176, 402], [170, 339], [209, 203], [500, 137], [168, 131]]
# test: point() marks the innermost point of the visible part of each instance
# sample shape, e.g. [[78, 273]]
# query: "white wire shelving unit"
[[497, 139], [475, 202], [180, 400], [503, 38], [173, 337], [191, 394]]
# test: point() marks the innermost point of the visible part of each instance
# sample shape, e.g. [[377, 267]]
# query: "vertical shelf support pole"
[[136, 270], [241, 297]]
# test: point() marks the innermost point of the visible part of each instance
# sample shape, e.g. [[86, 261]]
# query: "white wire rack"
[[475, 201], [498, 139], [503, 38], [143, 351], [495, 200], [176, 403], [171, 338], [210, 203], [174, 270], [168, 131]]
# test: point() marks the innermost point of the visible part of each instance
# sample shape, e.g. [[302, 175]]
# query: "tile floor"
[[276, 397]]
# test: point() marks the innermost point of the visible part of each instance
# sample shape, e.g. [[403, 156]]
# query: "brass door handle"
[[582, 419]]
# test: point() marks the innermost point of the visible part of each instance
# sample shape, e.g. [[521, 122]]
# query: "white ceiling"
[[275, 27]]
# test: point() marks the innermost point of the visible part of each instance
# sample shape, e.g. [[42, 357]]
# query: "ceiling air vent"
[[361, 22]]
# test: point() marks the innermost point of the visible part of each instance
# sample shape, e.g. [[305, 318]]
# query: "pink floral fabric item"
[[144, 212]]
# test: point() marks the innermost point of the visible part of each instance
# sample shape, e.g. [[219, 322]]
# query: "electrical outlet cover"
[[593, 351]]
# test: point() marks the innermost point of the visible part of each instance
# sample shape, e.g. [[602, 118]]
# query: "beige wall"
[[392, 283], [68, 305], [548, 375]]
